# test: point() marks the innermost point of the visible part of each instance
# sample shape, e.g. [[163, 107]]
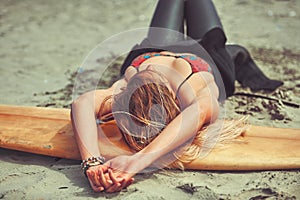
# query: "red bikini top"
[[197, 64]]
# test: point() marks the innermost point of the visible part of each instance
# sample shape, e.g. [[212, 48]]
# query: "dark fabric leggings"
[[203, 25], [201, 19]]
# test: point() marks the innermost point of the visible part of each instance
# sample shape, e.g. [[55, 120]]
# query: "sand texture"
[[44, 43]]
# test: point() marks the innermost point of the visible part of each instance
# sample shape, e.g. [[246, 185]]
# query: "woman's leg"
[[233, 61], [167, 24], [166, 28], [204, 25], [203, 22], [247, 72]]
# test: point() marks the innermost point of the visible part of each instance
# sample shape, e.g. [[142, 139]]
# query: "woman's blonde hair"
[[144, 108]]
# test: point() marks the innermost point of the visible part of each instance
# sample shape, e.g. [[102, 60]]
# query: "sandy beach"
[[45, 43]]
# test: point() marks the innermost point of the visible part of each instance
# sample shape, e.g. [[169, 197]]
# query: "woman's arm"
[[180, 130], [84, 111], [201, 95], [83, 114]]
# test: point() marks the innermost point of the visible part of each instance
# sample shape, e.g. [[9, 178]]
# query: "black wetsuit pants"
[[204, 26]]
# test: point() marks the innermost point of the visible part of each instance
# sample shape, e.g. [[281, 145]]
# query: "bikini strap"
[[183, 83]]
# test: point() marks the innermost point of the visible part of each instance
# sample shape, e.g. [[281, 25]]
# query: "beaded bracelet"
[[90, 162]]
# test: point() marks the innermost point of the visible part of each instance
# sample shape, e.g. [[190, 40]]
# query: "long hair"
[[145, 107]]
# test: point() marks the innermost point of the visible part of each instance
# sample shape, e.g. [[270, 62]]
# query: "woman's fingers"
[[96, 188], [106, 175], [95, 179], [114, 188], [103, 179], [113, 177], [108, 180], [128, 182], [117, 186]]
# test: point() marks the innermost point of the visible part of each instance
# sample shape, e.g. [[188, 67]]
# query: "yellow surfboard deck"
[[48, 131]]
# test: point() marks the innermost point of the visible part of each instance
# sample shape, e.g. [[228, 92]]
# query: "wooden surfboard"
[[48, 131]]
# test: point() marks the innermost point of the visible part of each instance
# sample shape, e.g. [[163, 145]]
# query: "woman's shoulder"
[[118, 85], [196, 86]]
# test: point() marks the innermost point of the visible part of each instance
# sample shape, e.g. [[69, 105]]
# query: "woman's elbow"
[[215, 109], [76, 103], [82, 101], [88, 96], [210, 109]]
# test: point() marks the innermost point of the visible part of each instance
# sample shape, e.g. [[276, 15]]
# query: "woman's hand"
[[113, 176], [121, 171], [97, 182]]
